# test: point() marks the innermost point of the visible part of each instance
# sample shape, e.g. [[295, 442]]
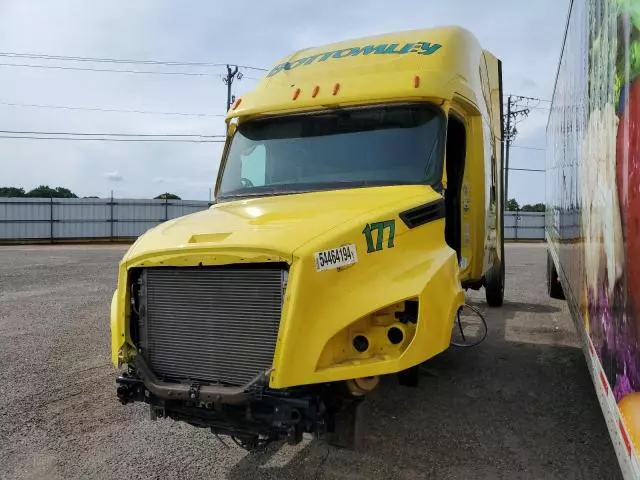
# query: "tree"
[[538, 207], [512, 205], [45, 191], [65, 193], [12, 192], [168, 196]]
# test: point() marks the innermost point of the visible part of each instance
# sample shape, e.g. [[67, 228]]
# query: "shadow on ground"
[[500, 410]]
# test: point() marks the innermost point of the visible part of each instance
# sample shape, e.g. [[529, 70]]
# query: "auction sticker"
[[336, 257]]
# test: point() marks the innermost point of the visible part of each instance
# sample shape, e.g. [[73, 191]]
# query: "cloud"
[[113, 177]]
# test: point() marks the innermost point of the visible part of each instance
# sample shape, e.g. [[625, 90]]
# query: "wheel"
[[494, 278], [494, 285], [554, 287]]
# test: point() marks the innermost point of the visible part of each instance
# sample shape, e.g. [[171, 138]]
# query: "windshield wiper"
[[261, 193]]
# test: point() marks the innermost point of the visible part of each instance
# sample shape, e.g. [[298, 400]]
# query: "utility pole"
[[506, 154], [511, 131], [232, 74]]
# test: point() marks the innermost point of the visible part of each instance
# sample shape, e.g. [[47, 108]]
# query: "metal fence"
[[64, 219], [524, 225], [73, 219]]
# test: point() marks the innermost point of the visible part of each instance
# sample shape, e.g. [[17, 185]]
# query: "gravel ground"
[[521, 405]]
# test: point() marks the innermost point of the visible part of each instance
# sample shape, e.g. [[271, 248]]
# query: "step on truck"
[[358, 195], [593, 205]]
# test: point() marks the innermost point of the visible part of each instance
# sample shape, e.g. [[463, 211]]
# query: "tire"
[[494, 285], [494, 278], [554, 287]]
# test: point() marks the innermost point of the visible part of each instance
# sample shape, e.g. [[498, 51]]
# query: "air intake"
[[424, 214]]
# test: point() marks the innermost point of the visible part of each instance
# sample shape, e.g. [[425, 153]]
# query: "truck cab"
[[359, 193]]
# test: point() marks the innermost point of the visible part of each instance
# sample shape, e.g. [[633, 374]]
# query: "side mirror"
[[232, 126], [443, 180]]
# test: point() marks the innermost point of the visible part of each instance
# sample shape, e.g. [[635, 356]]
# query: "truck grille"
[[212, 324]]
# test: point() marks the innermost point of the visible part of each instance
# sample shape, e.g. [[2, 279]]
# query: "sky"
[[526, 36]]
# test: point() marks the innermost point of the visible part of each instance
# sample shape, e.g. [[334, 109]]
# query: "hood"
[[277, 224]]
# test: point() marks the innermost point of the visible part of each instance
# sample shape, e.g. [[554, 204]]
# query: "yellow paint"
[[452, 69], [630, 410], [473, 217], [322, 311]]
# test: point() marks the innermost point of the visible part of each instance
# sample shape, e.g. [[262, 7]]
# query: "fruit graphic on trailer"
[[628, 180]]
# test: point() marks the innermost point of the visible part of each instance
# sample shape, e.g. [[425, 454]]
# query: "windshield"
[[341, 148]]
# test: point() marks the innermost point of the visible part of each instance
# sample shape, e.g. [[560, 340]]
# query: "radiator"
[[210, 324]]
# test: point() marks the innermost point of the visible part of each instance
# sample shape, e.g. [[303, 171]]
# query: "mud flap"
[[345, 430], [554, 287], [409, 377]]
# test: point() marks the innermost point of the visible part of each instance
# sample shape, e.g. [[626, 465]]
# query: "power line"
[[526, 147], [522, 97], [115, 70], [120, 60], [186, 135], [528, 169], [110, 70], [177, 140], [102, 109], [510, 121], [537, 107], [518, 108]]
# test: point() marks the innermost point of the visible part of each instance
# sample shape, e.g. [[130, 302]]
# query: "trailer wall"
[[593, 202]]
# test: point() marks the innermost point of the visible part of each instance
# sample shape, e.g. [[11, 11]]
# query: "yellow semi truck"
[[359, 193]]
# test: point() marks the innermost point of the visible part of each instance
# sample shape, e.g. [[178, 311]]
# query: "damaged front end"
[[250, 330], [251, 414], [204, 342]]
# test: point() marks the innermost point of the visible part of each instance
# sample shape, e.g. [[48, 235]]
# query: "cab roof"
[[423, 64]]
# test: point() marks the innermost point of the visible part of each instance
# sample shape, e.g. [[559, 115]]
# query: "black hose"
[[464, 339], [239, 443], [484, 322], [221, 440]]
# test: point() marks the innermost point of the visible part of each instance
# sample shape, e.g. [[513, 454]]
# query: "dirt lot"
[[521, 405]]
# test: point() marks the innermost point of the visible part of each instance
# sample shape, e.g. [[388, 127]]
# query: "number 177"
[[379, 228]]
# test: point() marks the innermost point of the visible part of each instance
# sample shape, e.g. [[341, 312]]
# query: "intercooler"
[[210, 324]]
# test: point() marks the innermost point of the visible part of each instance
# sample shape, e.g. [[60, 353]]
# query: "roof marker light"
[[416, 81], [336, 88], [316, 89], [296, 94], [236, 104]]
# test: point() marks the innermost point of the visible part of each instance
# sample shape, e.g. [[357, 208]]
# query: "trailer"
[[593, 205]]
